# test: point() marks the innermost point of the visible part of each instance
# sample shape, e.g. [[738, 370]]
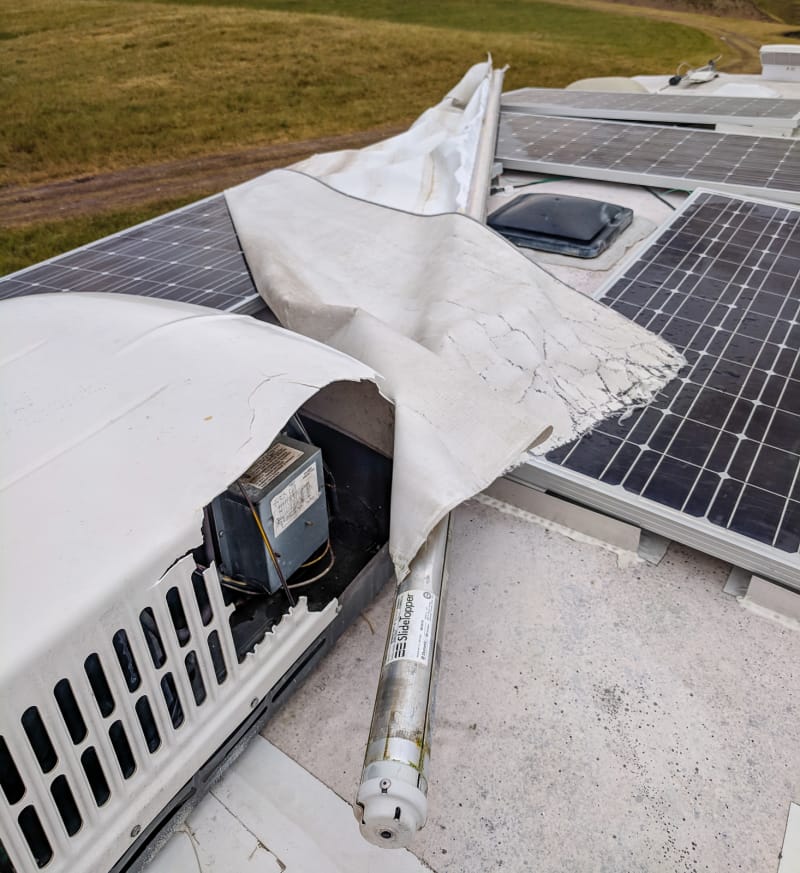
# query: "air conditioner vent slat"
[[148, 724], [5, 861], [95, 776], [195, 677], [66, 805], [122, 749], [171, 700], [202, 599], [152, 636], [10, 779], [178, 616], [100, 688], [70, 711], [39, 739], [127, 661], [214, 589], [217, 657], [36, 838]]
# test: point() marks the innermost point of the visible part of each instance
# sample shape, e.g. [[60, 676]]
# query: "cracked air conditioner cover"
[[122, 417]]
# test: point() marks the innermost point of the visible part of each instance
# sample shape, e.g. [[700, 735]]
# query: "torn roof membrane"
[[482, 352], [426, 169]]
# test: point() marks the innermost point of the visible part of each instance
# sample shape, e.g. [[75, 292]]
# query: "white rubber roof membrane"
[[482, 352], [121, 417]]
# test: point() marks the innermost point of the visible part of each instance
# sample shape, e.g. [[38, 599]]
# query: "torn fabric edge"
[[428, 168], [482, 352]]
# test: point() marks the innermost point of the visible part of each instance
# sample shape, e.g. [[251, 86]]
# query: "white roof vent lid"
[[780, 63]]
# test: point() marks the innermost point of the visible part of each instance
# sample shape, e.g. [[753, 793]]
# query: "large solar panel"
[[778, 114], [714, 460], [191, 255], [648, 154]]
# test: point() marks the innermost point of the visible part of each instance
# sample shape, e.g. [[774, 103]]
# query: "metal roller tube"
[[392, 804], [481, 174], [392, 801]]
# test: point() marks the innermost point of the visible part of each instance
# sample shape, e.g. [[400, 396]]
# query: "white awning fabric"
[[428, 168], [483, 353]]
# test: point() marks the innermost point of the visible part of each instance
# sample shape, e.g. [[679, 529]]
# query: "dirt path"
[[744, 52], [743, 37], [129, 188]]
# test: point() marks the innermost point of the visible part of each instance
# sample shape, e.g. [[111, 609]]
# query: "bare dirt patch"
[[719, 8], [742, 38], [92, 195]]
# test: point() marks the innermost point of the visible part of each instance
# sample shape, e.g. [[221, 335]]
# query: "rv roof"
[[594, 711]]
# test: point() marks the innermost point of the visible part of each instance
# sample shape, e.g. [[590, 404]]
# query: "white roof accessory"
[[780, 63], [165, 404]]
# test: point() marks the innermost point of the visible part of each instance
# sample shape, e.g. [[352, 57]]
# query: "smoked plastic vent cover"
[[574, 226]]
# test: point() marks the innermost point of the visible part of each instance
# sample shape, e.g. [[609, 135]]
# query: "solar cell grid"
[[191, 255], [780, 113], [650, 154], [722, 441]]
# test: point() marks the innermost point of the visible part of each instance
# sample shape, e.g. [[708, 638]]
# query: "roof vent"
[[572, 226], [780, 63]]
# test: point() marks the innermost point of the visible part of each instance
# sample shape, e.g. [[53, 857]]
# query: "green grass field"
[[98, 85], [95, 85]]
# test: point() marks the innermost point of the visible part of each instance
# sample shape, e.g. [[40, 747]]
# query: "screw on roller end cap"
[[391, 812]]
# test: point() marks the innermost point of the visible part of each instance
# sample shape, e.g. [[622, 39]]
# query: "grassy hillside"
[[491, 16], [96, 85], [91, 85]]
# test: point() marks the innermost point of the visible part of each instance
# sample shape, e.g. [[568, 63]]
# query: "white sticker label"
[[289, 504], [412, 630], [271, 464]]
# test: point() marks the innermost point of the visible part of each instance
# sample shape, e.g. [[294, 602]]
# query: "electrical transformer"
[[285, 487]]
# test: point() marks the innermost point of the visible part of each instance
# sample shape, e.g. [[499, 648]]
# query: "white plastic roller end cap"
[[391, 812]]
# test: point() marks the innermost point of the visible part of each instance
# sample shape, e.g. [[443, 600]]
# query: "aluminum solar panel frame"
[[649, 154], [780, 115], [714, 460], [191, 255]]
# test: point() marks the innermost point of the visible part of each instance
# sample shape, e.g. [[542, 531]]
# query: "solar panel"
[[191, 255], [714, 460], [780, 114], [648, 154]]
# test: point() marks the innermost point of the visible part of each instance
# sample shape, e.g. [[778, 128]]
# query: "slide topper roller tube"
[[392, 805]]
